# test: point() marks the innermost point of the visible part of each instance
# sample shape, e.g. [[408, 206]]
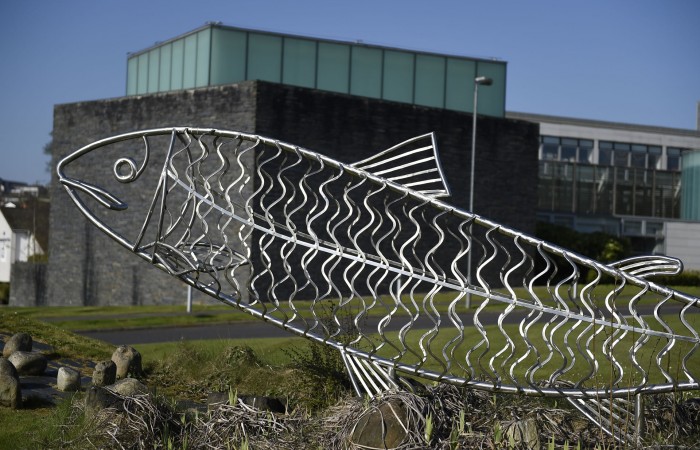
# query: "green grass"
[[90, 318]]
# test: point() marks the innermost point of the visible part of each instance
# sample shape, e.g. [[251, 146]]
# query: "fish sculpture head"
[[106, 181]]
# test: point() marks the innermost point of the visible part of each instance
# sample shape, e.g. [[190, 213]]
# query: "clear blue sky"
[[635, 61]]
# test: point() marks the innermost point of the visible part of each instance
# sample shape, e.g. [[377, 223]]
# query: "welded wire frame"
[[349, 258]]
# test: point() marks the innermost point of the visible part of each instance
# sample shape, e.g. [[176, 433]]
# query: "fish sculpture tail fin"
[[618, 417]]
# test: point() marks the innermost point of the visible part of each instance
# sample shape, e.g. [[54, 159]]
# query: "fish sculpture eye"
[[125, 170]]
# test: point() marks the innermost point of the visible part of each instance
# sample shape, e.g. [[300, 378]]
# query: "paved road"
[[260, 329]]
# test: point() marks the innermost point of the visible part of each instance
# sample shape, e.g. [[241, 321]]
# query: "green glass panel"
[[430, 81], [492, 99], [132, 70], [142, 78], [177, 65], [366, 72], [202, 70], [398, 76], [690, 186], [190, 62], [264, 57], [153, 66], [228, 55], [299, 62], [166, 53], [458, 93], [333, 67]]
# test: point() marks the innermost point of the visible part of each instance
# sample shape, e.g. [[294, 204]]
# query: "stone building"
[[87, 268]]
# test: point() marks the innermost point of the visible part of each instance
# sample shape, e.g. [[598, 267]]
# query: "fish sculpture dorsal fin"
[[413, 163], [649, 266]]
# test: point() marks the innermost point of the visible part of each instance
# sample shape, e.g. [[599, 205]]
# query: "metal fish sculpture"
[[366, 258]]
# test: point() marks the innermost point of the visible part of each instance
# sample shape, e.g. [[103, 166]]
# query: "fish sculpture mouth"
[[277, 230]]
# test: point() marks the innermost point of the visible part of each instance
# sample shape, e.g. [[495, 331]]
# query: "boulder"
[[28, 363], [128, 361], [263, 403], [128, 387], [381, 426], [10, 392], [7, 368], [68, 380], [20, 342], [98, 398], [104, 374], [524, 434]]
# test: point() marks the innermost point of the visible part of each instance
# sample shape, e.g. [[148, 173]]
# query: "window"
[[673, 158]]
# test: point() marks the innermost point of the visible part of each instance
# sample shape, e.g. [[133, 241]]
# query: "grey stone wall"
[[28, 287], [87, 268]]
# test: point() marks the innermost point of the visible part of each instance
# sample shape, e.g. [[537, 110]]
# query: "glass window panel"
[[550, 140], [673, 158], [569, 142], [585, 143], [366, 72], [299, 65], [398, 76], [604, 156], [492, 99], [177, 65], [142, 83], [202, 70], [430, 81], [605, 144], [132, 70], [459, 95], [333, 67], [585, 154], [633, 227], [621, 158], [190, 62], [165, 69], [568, 153], [621, 146], [639, 148], [550, 152], [228, 56], [153, 66], [653, 228], [638, 159], [264, 57]]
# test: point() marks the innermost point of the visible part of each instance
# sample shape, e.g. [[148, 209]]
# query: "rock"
[[524, 434], [381, 426], [128, 361], [68, 380], [28, 363], [7, 368], [104, 374], [128, 387], [21, 342], [263, 403], [10, 392], [98, 398], [215, 399]]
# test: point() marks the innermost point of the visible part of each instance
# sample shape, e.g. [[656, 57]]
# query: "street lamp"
[[478, 81]]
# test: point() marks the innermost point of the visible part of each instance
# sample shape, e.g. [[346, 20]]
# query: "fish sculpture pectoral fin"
[[368, 377], [617, 417]]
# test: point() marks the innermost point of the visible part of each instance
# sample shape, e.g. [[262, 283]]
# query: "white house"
[[22, 233]]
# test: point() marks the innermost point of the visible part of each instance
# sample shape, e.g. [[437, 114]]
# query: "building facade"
[[87, 268], [623, 179]]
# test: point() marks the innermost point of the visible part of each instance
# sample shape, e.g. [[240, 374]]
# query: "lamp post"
[[478, 81]]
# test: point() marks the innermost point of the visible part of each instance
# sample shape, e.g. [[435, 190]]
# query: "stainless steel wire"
[[365, 258]]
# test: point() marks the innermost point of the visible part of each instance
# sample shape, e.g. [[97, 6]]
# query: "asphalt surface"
[[260, 329]]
